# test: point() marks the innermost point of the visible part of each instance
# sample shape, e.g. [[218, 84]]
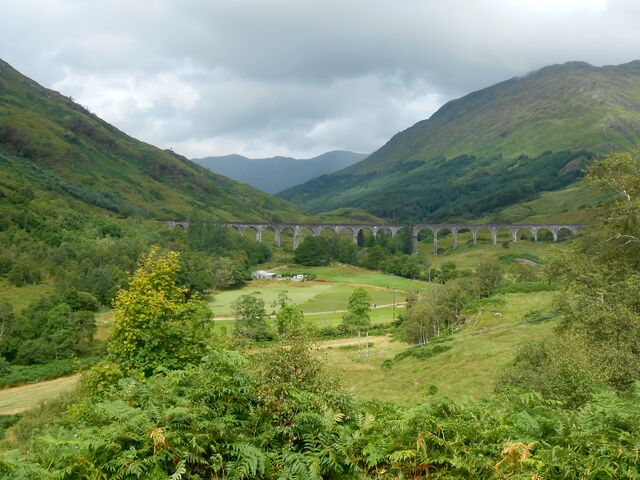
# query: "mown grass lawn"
[[329, 291], [360, 276]]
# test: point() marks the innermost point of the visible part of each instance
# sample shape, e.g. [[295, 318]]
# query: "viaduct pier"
[[354, 229]]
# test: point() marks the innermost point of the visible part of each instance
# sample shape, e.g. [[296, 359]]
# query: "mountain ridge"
[[277, 173], [565, 109], [64, 152]]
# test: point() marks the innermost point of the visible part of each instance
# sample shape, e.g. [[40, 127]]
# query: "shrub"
[[24, 271], [6, 263], [35, 351], [81, 301], [5, 366], [561, 369]]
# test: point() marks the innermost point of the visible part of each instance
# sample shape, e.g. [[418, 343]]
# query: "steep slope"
[[59, 150], [492, 148], [272, 175]]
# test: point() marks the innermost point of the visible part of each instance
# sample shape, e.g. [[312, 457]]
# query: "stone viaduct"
[[354, 229]]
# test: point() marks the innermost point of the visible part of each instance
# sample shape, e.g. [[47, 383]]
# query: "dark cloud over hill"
[[296, 78]]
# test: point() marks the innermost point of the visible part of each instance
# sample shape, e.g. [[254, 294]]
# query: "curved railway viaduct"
[[453, 228]]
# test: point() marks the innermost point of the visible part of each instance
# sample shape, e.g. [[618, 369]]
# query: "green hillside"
[[493, 148], [59, 150]]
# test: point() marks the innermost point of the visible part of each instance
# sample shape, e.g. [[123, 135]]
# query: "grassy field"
[[378, 316], [21, 297], [360, 276], [479, 353], [328, 292], [104, 325], [467, 256]]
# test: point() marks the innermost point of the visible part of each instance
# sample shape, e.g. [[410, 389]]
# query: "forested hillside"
[[57, 150], [492, 148]]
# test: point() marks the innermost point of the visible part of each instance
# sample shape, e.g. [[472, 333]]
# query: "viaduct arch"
[[337, 228]]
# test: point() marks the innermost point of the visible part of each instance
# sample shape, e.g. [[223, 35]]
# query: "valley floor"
[[469, 365], [475, 357]]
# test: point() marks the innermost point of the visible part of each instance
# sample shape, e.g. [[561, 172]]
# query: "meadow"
[[21, 297], [474, 358], [467, 256]]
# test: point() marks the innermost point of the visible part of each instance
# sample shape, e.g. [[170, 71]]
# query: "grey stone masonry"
[[453, 228]]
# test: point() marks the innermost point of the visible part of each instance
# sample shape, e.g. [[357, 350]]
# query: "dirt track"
[[25, 397]]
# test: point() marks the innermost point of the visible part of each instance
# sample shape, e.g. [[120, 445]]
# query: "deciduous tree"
[[156, 325], [358, 318], [251, 318]]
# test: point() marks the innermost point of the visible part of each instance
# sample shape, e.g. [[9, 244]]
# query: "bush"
[[339, 332], [81, 301], [6, 264], [5, 366], [421, 352], [35, 351], [529, 287], [560, 368], [540, 317], [23, 272]]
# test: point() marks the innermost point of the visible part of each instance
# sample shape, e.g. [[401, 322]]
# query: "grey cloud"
[[296, 77]]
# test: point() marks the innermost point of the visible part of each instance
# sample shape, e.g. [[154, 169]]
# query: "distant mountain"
[[275, 174], [495, 147], [57, 150]]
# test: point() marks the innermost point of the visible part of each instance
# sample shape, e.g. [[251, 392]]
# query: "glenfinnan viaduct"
[[454, 229]]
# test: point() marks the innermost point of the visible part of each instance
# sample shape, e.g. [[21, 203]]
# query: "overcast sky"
[[296, 77]]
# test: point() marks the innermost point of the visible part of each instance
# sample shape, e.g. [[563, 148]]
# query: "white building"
[[263, 275]]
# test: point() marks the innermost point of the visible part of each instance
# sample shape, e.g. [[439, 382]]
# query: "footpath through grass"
[[20, 399]]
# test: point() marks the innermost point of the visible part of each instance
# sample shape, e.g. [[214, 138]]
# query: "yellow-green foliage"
[[156, 325]]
